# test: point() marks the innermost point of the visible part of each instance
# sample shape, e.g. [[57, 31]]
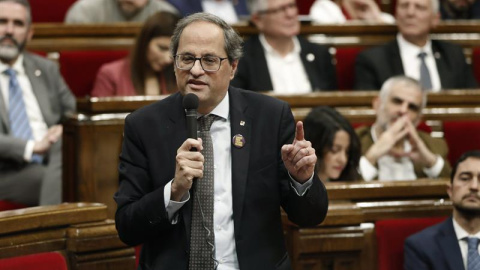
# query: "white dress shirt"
[[411, 62], [392, 168], [461, 235], [287, 72], [223, 9], [37, 123], [225, 249]]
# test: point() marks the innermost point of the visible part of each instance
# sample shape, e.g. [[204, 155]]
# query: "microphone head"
[[190, 101]]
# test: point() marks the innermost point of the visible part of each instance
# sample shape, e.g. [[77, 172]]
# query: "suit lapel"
[[308, 65], [397, 64], [240, 123], [442, 66], [448, 244], [40, 90], [4, 114]]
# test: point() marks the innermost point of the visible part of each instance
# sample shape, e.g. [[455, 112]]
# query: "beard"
[[467, 212], [10, 52]]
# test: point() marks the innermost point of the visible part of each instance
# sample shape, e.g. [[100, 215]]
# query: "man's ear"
[[255, 19], [449, 190], [376, 103], [30, 33], [435, 20], [234, 65]]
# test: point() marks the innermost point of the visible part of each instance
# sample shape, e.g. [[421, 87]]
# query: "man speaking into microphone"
[[250, 160]]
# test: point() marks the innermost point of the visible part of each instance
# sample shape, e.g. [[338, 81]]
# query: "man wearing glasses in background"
[[278, 59], [218, 207]]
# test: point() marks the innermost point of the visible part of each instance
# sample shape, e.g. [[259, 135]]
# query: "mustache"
[[15, 42], [471, 195]]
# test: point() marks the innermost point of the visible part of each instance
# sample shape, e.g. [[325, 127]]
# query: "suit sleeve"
[[311, 208], [414, 257], [365, 77], [439, 147], [141, 213]]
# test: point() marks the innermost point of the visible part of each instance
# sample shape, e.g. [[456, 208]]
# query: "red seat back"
[[391, 235], [304, 6], [79, 68], [461, 136], [50, 10], [40, 261], [345, 66], [7, 205]]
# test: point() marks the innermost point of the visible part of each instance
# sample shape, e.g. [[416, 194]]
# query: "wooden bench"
[[80, 232]]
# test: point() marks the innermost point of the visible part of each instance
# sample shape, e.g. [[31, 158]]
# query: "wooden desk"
[[55, 37], [79, 231]]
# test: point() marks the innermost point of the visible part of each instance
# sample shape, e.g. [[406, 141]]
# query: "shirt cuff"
[[436, 169], [367, 170], [299, 188], [27, 154], [172, 207]]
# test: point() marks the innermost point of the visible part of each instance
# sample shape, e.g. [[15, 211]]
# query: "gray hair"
[[254, 6], [233, 42], [24, 3], [407, 82]]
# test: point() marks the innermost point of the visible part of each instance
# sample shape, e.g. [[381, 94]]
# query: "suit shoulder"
[[258, 99], [310, 46], [426, 235], [40, 61], [158, 108]]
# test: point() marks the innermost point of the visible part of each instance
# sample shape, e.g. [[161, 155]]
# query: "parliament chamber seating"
[[79, 68], [391, 235], [73, 236], [476, 63], [345, 66], [8, 205], [461, 136], [49, 10]]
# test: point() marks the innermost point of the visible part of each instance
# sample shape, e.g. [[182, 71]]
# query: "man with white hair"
[[393, 148], [279, 60], [435, 64], [115, 11]]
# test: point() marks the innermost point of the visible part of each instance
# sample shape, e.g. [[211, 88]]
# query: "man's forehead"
[[415, 2], [468, 164], [407, 93], [11, 10]]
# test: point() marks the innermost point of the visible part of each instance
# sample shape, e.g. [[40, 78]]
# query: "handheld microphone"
[[190, 104]]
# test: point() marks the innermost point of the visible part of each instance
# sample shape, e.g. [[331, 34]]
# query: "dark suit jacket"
[[187, 7], [374, 66], [253, 72], [55, 101], [260, 183], [436, 145], [435, 248]]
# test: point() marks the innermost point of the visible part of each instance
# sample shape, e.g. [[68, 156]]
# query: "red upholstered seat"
[[345, 67], [304, 6], [50, 10], [40, 261], [391, 235], [79, 68], [461, 136], [476, 64], [7, 205]]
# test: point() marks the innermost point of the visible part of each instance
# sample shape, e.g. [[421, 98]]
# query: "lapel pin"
[[436, 55], [242, 123], [238, 141], [38, 72], [310, 57]]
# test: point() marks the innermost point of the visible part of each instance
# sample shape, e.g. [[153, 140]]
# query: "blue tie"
[[17, 113], [425, 79], [473, 258]]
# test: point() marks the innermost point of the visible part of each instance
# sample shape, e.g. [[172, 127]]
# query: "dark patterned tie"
[[202, 239], [425, 79], [473, 258], [17, 113]]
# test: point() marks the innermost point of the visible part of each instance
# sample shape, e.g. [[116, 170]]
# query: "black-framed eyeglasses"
[[208, 63], [279, 9]]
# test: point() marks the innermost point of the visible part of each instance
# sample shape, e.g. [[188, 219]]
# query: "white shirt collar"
[[222, 109], [270, 50], [413, 49], [460, 232]]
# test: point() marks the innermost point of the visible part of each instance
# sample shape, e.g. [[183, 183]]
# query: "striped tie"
[[473, 258], [425, 79], [17, 113]]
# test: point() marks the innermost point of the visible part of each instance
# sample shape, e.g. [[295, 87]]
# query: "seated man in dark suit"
[[33, 100], [393, 148], [278, 59], [231, 11], [452, 244], [436, 64]]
